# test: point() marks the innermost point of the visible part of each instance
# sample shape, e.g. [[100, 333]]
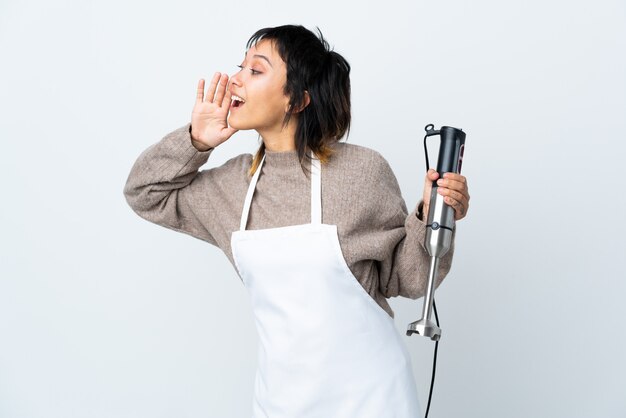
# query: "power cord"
[[432, 380]]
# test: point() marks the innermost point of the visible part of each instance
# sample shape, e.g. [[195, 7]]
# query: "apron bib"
[[327, 349]]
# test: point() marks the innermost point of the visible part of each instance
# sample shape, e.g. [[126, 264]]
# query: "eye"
[[254, 72]]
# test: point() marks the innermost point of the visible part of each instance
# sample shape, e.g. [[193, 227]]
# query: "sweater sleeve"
[[162, 182], [404, 270]]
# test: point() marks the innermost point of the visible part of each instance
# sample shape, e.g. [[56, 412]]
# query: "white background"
[[103, 314]]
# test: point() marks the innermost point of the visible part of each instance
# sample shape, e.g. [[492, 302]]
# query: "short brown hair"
[[312, 66]]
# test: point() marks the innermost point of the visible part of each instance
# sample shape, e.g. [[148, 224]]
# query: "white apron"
[[327, 349]]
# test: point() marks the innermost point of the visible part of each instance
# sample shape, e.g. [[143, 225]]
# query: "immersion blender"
[[440, 222]]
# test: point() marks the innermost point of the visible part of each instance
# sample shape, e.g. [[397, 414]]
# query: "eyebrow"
[[263, 57]]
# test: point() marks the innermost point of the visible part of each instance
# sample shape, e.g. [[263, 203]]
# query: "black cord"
[[432, 380], [426, 149]]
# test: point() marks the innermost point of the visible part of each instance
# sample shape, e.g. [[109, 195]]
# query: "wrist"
[[197, 144], [200, 146], [420, 211]]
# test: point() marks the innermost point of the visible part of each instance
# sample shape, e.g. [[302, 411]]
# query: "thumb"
[[432, 174], [230, 131]]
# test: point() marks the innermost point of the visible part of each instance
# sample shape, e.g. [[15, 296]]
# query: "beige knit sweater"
[[382, 244]]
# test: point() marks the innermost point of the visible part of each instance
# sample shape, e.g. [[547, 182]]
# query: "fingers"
[[210, 93], [457, 196], [200, 92], [455, 182], [455, 177], [221, 89], [219, 84], [460, 207], [227, 98], [454, 189]]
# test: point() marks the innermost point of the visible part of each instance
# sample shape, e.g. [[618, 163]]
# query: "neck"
[[281, 138]]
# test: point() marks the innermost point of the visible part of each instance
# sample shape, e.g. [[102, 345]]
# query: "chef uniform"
[[327, 349]]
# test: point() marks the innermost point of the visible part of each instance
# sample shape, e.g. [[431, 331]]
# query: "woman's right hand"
[[209, 126]]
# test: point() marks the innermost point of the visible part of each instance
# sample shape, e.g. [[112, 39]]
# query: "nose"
[[236, 79]]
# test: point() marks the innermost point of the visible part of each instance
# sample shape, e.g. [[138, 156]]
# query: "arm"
[[163, 182], [404, 269], [165, 187]]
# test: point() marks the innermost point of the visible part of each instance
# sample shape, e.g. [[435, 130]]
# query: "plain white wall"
[[103, 314]]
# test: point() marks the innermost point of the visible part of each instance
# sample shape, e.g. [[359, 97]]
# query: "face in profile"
[[259, 101]]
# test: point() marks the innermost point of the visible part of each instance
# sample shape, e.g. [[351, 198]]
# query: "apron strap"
[[316, 194], [248, 201]]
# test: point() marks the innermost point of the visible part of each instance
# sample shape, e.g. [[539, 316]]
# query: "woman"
[[317, 229]]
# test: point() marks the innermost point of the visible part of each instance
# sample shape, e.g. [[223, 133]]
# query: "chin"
[[237, 124]]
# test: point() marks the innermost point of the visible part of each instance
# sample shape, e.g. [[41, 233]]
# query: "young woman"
[[316, 228]]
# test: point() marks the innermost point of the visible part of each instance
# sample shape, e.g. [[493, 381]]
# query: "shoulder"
[[354, 151], [240, 164], [368, 162], [363, 178]]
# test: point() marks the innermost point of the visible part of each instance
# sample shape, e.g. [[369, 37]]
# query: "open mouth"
[[237, 101]]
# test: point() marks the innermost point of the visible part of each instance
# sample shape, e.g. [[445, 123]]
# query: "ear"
[[305, 103], [307, 100]]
